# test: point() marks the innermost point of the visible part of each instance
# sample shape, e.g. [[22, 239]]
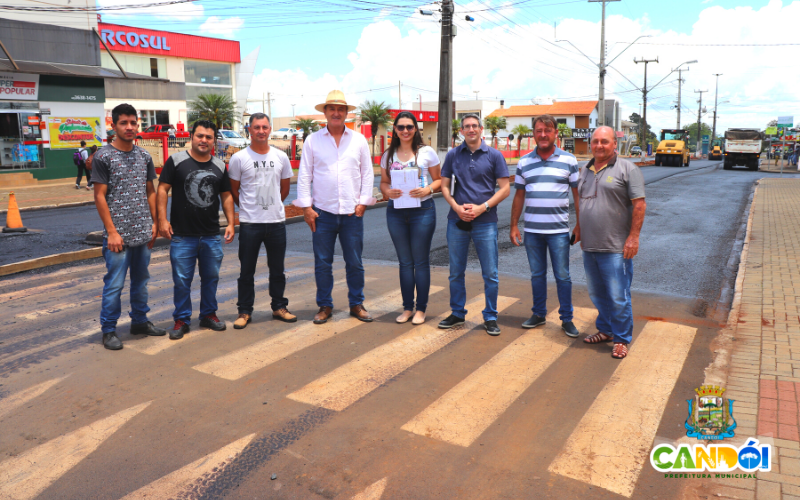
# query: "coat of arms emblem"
[[710, 414]]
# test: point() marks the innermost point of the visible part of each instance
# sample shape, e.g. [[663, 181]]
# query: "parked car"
[[177, 138], [636, 150], [231, 138], [285, 133]]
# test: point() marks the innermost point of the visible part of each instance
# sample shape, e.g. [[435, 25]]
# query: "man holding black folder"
[[476, 169]]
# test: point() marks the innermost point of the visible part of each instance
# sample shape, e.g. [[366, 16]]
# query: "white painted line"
[[18, 399], [28, 474], [247, 360], [374, 491], [462, 414], [612, 441], [350, 382], [180, 483]]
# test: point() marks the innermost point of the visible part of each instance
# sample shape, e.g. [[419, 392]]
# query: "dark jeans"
[[81, 169], [185, 252], [350, 230], [251, 237], [412, 230], [137, 259], [537, 245]]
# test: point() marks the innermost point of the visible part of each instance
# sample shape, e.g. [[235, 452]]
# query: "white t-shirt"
[[260, 190], [426, 158]]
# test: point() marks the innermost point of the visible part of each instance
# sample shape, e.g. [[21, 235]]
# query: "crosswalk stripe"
[[612, 441], [18, 399], [185, 481], [373, 491], [462, 414], [350, 382], [245, 361], [33, 471]]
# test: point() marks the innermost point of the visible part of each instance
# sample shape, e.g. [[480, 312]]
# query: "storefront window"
[[141, 65], [20, 136], [148, 118], [207, 73], [193, 91]]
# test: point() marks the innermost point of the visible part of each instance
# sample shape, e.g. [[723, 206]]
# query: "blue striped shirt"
[[546, 184]]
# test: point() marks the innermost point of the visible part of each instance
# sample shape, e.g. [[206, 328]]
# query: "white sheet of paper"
[[405, 180]]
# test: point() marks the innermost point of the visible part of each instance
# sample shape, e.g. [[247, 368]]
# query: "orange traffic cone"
[[13, 218]]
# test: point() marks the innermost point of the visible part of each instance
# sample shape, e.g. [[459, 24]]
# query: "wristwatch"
[[487, 206]]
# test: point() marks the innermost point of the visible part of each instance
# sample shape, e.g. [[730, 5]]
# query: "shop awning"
[[60, 69]]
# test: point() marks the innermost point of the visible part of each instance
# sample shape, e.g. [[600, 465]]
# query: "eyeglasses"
[[469, 127], [401, 128]]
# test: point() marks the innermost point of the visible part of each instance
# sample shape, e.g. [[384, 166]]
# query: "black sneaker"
[[569, 329], [178, 330], [213, 322], [111, 341], [147, 328], [450, 322], [491, 327], [534, 321]]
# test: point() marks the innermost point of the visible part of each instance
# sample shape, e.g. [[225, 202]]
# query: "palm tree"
[[494, 124], [564, 131], [519, 131], [377, 114], [219, 109], [307, 125], [455, 126]]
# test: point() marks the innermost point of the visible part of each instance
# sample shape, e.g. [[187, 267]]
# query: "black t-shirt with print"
[[195, 193]]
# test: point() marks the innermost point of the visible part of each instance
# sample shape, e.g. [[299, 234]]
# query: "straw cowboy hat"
[[334, 97]]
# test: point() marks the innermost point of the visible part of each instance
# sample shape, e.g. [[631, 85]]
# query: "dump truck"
[[673, 150], [742, 147]]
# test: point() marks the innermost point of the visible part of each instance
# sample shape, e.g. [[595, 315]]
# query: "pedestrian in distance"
[[611, 191], [411, 229], [197, 180], [260, 181], [125, 198], [543, 180], [89, 164], [334, 188], [79, 158], [470, 174], [247, 129]]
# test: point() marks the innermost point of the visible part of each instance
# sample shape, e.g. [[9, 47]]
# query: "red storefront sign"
[[164, 43], [421, 116]]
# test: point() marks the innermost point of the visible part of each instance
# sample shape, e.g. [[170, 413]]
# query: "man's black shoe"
[[178, 330], [569, 329], [111, 341], [450, 322], [213, 322], [491, 327], [147, 328], [534, 321]]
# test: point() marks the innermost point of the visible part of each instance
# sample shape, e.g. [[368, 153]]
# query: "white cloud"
[[178, 12], [223, 27]]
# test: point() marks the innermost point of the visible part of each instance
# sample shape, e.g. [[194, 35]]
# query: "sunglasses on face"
[[401, 128]]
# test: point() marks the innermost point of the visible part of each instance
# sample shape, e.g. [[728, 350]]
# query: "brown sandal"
[[598, 338], [620, 351]]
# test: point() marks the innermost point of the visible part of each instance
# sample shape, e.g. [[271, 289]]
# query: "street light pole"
[[716, 93], [601, 95], [445, 79], [680, 84], [644, 100], [699, 109]]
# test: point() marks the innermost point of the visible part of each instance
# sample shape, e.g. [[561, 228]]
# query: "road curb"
[[49, 207], [50, 260]]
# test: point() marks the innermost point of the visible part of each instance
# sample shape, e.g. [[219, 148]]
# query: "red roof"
[[577, 108]]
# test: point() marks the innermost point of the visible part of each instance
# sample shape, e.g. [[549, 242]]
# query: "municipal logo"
[[714, 458], [710, 414]]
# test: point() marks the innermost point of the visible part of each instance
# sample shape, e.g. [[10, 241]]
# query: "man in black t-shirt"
[[197, 180]]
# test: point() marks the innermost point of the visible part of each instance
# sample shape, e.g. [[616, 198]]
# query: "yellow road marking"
[[254, 357], [613, 439], [30, 473], [462, 414], [350, 382], [373, 492], [180, 483], [20, 398]]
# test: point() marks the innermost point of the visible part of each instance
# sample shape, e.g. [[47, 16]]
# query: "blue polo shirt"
[[476, 176]]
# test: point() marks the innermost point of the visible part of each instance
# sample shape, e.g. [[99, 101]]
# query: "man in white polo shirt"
[[544, 178], [334, 187]]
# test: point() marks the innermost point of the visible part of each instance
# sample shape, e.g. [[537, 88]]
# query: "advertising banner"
[[19, 87], [66, 133], [785, 121]]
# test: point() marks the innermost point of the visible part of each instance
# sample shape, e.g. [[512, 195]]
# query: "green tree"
[[377, 113], [649, 136], [455, 126], [494, 124], [307, 125], [519, 131], [705, 129], [219, 109]]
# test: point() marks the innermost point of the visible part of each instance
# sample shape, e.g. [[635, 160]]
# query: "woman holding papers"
[[411, 214]]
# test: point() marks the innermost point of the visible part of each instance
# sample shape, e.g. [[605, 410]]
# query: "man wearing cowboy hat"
[[334, 187]]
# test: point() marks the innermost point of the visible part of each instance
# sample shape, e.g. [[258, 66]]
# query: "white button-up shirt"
[[341, 177]]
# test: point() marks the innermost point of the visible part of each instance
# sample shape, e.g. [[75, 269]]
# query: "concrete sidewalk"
[[48, 194]]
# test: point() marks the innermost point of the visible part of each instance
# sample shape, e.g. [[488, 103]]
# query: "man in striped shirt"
[[543, 180]]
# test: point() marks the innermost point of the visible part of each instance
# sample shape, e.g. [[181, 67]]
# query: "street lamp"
[[476, 92], [293, 110]]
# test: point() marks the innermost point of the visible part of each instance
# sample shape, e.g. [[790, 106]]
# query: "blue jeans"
[[184, 253], [484, 236], [350, 230], [609, 277], [251, 237], [537, 245], [412, 230], [137, 259]]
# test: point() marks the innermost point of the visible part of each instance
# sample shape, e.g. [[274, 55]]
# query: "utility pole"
[[716, 92], [601, 95], [399, 96], [643, 137], [269, 105], [699, 132], [445, 81], [680, 84]]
